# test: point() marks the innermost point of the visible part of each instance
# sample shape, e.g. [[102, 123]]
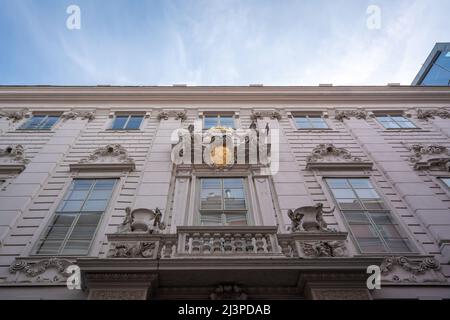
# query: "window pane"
[[233, 183], [105, 184], [349, 204], [95, 205], [389, 231], [381, 218], [304, 125], [77, 195], [119, 122], [49, 247], [343, 193], [338, 183], [363, 231], [34, 122], [320, 125], [374, 204], [446, 181], [211, 183], [79, 247], [100, 194], [371, 245], [211, 122], [360, 183], [384, 119], [398, 245], [234, 204], [211, 199], [49, 122], [367, 193], [406, 125], [211, 219], [72, 206], [82, 184], [390, 125], [134, 122], [227, 121], [356, 217], [85, 227], [236, 219]]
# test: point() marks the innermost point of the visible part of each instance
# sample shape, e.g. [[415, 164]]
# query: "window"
[[76, 220], [40, 122], [395, 122], [127, 122], [367, 215], [218, 120], [446, 181], [310, 122], [439, 73], [223, 202]]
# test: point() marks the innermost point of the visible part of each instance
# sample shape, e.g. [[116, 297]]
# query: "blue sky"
[[218, 42]]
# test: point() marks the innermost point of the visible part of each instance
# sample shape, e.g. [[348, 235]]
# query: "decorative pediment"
[[12, 159], [430, 114], [73, 115], [327, 156], [402, 269], [261, 114], [429, 157], [347, 114], [164, 115], [112, 157]]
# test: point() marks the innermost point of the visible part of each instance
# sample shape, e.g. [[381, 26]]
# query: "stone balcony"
[[223, 242]]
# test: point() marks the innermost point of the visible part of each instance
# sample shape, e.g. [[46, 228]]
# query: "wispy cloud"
[[214, 42]]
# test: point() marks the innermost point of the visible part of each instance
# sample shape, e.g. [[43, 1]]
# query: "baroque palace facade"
[[93, 189]]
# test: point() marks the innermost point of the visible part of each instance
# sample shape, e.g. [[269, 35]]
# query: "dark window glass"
[[127, 122], [218, 120], [395, 122], [310, 122], [367, 215], [40, 122], [77, 217]]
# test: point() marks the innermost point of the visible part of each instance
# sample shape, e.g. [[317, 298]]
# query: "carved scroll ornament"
[[430, 156], [347, 114], [33, 269], [13, 154], [430, 114], [308, 218], [323, 248]]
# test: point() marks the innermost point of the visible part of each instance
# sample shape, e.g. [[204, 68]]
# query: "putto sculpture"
[[142, 220], [308, 218]]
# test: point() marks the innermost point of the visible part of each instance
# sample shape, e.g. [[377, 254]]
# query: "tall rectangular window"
[[76, 220], [395, 122], [40, 122], [127, 122], [310, 122], [367, 215], [223, 202], [218, 121]]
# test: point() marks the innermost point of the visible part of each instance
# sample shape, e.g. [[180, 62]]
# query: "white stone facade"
[[267, 258]]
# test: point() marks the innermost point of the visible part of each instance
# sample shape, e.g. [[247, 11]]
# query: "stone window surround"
[[291, 114], [404, 113], [322, 176], [193, 215], [97, 242], [112, 117]]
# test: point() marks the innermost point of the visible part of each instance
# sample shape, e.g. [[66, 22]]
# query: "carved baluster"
[[196, 243], [228, 246], [217, 244], [269, 243], [168, 249], [187, 243], [286, 248], [238, 243], [259, 243], [206, 248], [249, 247]]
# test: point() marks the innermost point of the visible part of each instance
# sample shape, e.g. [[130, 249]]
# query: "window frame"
[[390, 116], [402, 230], [308, 116], [129, 116], [24, 126], [218, 116], [198, 211], [40, 235]]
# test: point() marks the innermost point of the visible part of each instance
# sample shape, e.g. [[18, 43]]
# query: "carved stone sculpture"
[[347, 114], [271, 114], [142, 220], [179, 115], [228, 292], [109, 153], [431, 156], [308, 218], [69, 115], [33, 269], [402, 269], [323, 248], [430, 114], [329, 153], [13, 154], [16, 115], [134, 250]]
